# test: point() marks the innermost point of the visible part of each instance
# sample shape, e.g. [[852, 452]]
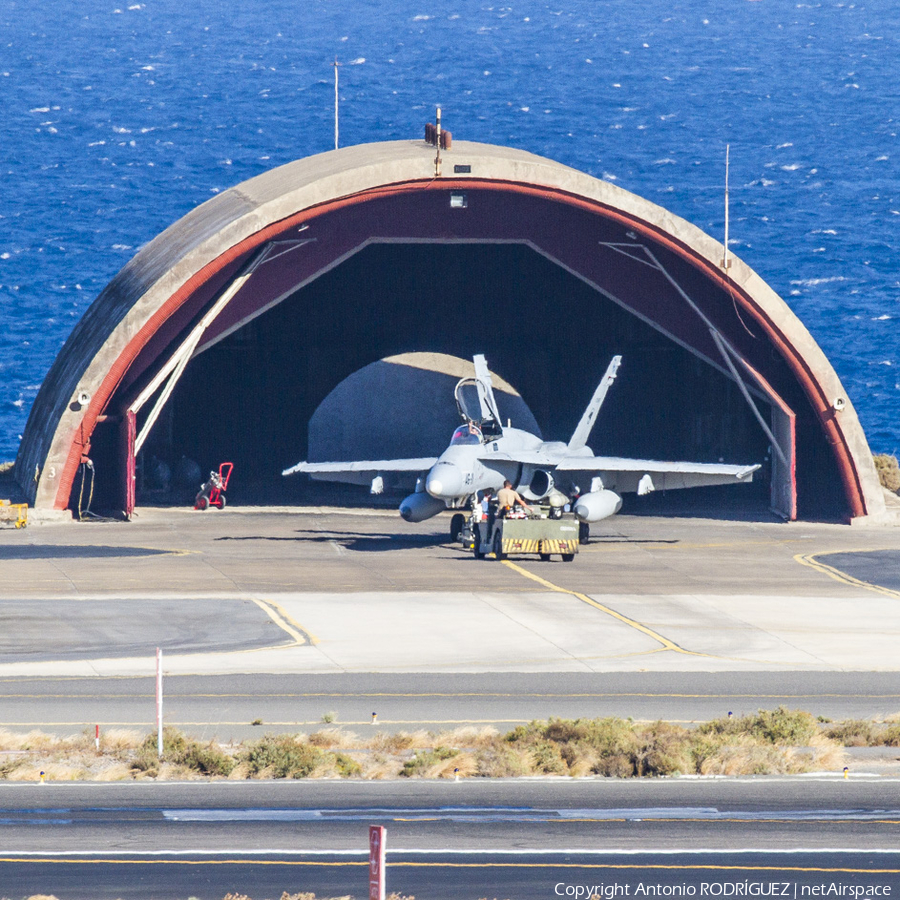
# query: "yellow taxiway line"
[[631, 623], [812, 560]]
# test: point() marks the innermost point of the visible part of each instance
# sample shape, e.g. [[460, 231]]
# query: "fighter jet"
[[483, 454]]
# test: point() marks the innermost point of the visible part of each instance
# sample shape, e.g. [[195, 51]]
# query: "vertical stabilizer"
[[581, 434]]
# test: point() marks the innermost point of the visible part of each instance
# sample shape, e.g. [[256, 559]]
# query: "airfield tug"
[[547, 531]]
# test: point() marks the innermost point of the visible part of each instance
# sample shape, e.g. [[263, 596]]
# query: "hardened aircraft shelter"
[[221, 338]]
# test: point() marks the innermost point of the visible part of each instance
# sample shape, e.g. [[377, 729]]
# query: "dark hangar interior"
[[506, 275]]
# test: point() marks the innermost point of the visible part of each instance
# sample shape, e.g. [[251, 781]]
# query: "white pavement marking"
[[504, 814]]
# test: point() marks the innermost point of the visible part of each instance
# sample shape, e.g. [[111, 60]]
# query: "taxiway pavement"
[[341, 591]]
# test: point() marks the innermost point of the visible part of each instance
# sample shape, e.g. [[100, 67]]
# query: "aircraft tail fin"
[[581, 434]]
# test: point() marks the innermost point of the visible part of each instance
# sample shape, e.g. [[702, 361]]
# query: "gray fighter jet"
[[483, 454]]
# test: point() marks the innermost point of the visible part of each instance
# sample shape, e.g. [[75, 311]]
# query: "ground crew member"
[[508, 498]]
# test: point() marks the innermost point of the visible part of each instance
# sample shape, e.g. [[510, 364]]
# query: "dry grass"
[[303, 895], [777, 741]]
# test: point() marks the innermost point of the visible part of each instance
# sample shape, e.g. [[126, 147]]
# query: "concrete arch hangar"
[[221, 337]]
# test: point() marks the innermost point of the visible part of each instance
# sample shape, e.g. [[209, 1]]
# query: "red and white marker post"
[[377, 872]]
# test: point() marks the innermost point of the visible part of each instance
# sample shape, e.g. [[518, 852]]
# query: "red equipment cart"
[[212, 492]]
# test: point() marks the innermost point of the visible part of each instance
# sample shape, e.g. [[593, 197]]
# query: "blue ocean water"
[[117, 120]]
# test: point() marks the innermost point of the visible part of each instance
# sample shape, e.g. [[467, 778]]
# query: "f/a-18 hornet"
[[483, 454]]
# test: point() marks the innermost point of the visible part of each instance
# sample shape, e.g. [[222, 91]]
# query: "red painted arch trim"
[[814, 390]]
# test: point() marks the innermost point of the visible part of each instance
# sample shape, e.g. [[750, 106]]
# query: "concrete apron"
[[530, 632]]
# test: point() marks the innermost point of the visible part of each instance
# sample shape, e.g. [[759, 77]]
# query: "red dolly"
[[212, 493]]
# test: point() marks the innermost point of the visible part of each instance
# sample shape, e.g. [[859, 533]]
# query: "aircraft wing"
[[526, 457], [362, 471], [645, 475]]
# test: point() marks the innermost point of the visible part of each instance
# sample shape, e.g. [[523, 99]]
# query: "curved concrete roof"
[[202, 251]]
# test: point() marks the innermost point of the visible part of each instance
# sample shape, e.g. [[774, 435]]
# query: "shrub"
[[180, 750], [346, 766], [784, 726], [546, 758], [498, 762], [173, 746], [282, 756], [779, 726], [208, 760], [614, 765], [888, 471], [853, 733], [425, 759], [606, 735], [8, 766], [662, 749]]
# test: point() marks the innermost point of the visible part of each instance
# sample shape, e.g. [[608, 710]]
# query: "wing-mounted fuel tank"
[[421, 506], [597, 505]]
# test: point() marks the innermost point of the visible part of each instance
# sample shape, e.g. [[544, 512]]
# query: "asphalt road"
[[445, 840], [225, 706], [441, 876]]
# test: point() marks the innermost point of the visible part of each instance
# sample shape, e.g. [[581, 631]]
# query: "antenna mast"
[[726, 262], [335, 64]]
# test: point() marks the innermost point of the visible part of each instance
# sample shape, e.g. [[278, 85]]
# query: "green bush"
[[424, 760], [547, 759], [346, 766], [606, 735], [208, 760], [779, 726], [284, 755], [174, 743], [784, 726], [888, 471], [662, 749], [614, 765], [854, 733], [180, 750]]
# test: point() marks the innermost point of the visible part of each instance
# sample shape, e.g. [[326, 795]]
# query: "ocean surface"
[[117, 120]]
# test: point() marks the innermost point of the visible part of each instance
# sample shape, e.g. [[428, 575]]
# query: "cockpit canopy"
[[466, 434], [475, 404]]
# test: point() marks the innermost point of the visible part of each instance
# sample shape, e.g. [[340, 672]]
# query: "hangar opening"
[[225, 334], [249, 397]]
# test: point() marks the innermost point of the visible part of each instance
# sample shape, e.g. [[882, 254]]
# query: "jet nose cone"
[[445, 481]]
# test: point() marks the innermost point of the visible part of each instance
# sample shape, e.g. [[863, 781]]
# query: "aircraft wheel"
[[498, 547], [457, 523], [568, 557], [584, 532], [545, 557]]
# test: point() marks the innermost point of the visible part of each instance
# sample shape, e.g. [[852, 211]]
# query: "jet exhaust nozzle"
[[597, 505], [421, 506]]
